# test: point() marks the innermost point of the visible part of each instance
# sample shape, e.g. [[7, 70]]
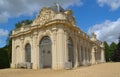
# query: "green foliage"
[[4, 59], [112, 49], [6, 52], [116, 54], [23, 23], [109, 50], [106, 51]]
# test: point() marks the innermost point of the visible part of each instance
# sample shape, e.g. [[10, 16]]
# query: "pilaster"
[[93, 56], [54, 49], [87, 56], [66, 46], [60, 48], [13, 64], [34, 50], [80, 56], [84, 56], [22, 50], [102, 55], [76, 53]]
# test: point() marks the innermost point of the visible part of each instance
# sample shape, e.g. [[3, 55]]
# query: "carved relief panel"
[[45, 15]]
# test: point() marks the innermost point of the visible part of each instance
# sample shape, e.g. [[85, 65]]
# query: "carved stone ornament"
[[44, 15]]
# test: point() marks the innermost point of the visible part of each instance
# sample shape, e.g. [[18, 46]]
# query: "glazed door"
[[45, 52]]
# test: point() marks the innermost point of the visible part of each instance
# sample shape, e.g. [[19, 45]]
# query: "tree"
[[5, 52], [109, 50], [112, 48], [4, 59], [116, 55], [8, 46], [106, 51], [23, 23]]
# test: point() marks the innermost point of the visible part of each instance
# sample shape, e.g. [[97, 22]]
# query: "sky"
[[99, 16]]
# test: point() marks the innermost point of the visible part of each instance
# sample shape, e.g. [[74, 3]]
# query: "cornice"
[[22, 31]]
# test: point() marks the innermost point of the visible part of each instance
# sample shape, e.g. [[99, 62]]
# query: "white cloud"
[[3, 32], [15, 8], [107, 31], [113, 4]]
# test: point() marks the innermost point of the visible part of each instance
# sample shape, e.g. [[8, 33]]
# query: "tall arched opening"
[[45, 52], [28, 53], [70, 51]]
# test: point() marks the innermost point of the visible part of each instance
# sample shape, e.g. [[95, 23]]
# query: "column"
[[76, 54], [54, 50], [13, 64], [89, 52], [93, 56], [96, 57], [66, 47], [102, 55], [80, 56], [60, 49], [87, 56], [34, 51], [38, 52], [84, 56], [22, 50]]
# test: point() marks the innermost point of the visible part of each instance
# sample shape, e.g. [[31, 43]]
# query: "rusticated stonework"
[[54, 41]]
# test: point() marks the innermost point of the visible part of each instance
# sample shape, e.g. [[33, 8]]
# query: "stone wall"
[[86, 51]]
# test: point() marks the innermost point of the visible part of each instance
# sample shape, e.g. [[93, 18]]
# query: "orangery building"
[[54, 41]]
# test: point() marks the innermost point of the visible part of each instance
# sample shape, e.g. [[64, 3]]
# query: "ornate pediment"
[[53, 13], [44, 15]]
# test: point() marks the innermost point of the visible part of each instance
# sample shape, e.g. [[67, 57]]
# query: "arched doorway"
[[70, 51], [46, 52], [27, 53]]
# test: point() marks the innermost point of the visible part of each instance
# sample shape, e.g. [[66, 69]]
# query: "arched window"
[[70, 51], [45, 40], [28, 53]]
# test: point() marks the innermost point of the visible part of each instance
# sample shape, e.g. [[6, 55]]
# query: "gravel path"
[[99, 70]]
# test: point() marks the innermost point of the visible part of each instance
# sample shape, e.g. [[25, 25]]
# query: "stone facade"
[[54, 41]]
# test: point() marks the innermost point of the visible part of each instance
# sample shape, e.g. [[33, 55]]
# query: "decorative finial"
[[93, 34], [58, 6]]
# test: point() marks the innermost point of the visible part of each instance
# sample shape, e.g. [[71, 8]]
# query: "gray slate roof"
[[57, 8]]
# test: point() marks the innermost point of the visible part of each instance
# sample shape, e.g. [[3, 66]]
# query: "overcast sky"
[[99, 16]]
